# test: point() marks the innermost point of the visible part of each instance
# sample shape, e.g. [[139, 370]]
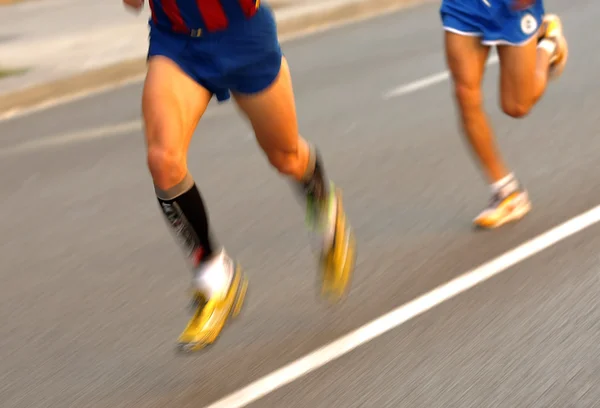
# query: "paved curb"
[[290, 22]]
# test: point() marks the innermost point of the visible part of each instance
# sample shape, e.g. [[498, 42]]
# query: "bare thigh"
[[172, 105], [518, 77], [272, 113], [466, 58]]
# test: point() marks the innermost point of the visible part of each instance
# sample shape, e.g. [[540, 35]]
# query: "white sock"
[[548, 45], [505, 186], [213, 277]]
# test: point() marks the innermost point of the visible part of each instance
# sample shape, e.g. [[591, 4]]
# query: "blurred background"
[[93, 289]]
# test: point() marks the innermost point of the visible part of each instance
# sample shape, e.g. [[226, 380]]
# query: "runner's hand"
[[134, 4]]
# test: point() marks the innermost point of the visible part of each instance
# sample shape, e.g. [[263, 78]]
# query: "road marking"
[[68, 138], [426, 82], [102, 132], [406, 312], [62, 100]]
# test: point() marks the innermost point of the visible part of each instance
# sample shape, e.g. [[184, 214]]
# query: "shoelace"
[[496, 199]]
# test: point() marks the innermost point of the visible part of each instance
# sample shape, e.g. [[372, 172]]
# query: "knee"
[[514, 108], [469, 98], [166, 164]]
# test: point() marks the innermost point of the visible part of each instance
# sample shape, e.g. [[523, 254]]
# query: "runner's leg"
[[172, 105], [272, 114]]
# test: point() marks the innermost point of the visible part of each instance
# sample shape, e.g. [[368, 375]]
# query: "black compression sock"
[[186, 214]]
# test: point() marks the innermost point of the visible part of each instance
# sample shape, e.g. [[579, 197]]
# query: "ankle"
[[213, 276], [505, 186]]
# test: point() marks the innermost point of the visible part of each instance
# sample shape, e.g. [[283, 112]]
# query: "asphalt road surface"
[[92, 288]]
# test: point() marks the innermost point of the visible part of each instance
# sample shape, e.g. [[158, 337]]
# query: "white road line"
[[69, 138], [102, 132], [425, 82], [49, 103], [406, 312]]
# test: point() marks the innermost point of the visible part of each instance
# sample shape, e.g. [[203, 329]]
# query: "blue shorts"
[[492, 20], [245, 58]]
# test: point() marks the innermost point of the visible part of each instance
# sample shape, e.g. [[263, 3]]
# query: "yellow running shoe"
[[503, 209], [338, 252], [211, 314], [552, 30]]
